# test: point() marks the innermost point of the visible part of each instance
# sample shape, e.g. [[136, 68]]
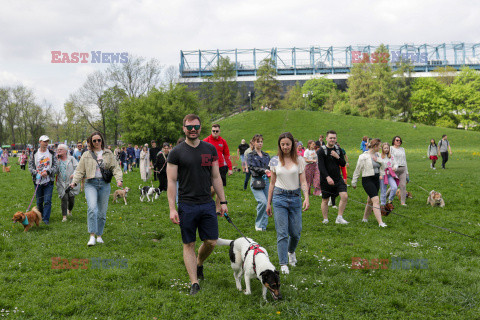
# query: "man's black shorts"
[[330, 191], [223, 174], [198, 216]]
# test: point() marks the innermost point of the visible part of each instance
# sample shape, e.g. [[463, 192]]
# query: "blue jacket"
[[131, 153], [257, 165]]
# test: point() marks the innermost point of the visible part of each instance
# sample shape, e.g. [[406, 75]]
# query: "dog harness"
[[25, 221], [256, 250]]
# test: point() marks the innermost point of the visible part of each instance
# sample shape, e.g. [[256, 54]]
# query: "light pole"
[[250, 97], [306, 96]]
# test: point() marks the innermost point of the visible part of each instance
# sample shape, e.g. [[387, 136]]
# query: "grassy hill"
[[154, 284]]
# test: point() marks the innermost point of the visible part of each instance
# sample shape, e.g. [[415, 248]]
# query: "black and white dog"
[[251, 260], [148, 192]]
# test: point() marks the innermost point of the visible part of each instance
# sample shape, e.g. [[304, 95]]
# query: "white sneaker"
[[364, 220], [99, 240], [329, 202], [340, 220], [64, 219], [258, 229], [434, 168], [334, 207], [292, 259], [325, 221], [284, 269], [69, 213], [431, 166], [383, 224], [91, 242]]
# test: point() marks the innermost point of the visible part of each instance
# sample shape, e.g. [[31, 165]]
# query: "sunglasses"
[[398, 140], [191, 127], [96, 140], [215, 131]]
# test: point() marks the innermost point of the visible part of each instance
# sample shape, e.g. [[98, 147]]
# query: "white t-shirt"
[[43, 162], [310, 155], [287, 179], [99, 154]]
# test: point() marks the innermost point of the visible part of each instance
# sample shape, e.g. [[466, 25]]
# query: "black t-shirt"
[[330, 166], [243, 148], [153, 154], [194, 171]]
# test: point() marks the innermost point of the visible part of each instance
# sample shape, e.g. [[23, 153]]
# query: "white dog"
[[148, 192], [251, 260]]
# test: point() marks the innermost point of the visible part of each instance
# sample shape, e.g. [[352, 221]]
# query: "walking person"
[[223, 157], [369, 165], [130, 156], [312, 174], [161, 166], [145, 169], [137, 156], [66, 168], [248, 174], [330, 159], [388, 176], [43, 166], [4, 158], [284, 196], [444, 149], [152, 153], [23, 160], [258, 165], [398, 153], [432, 153], [98, 165], [194, 164], [241, 152]]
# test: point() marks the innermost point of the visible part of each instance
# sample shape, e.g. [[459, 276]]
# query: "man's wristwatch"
[[224, 202]]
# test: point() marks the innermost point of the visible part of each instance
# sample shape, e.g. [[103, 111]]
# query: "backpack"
[[337, 150]]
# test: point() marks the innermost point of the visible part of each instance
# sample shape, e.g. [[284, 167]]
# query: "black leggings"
[[67, 203], [444, 158], [371, 185]]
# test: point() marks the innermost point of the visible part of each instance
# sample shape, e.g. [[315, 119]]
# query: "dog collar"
[[25, 221]]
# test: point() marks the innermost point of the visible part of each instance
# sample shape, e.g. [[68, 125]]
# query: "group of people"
[[443, 149]]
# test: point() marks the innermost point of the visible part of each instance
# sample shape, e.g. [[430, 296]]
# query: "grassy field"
[[154, 284]]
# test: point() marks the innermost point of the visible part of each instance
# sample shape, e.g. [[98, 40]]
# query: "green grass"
[[322, 285]]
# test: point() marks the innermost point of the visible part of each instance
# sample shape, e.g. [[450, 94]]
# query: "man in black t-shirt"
[[330, 158], [241, 152], [194, 163], [154, 150]]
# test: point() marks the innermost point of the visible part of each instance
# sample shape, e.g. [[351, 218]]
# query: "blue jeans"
[[247, 177], [97, 192], [44, 200], [287, 209], [261, 195], [383, 190]]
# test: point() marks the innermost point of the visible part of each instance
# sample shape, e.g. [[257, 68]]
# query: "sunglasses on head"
[[215, 131], [96, 140], [191, 127]]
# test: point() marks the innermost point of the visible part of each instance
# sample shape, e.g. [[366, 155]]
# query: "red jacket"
[[222, 149]]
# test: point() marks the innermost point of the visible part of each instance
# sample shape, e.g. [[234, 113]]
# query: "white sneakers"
[[69, 213], [91, 242], [364, 220], [64, 219], [258, 229], [382, 225], [99, 239], [284, 269], [292, 259], [329, 202], [325, 221], [334, 207], [340, 220]]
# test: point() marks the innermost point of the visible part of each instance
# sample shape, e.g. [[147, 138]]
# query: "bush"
[[446, 122], [343, 107]]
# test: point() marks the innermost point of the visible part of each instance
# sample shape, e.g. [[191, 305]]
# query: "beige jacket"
[[87, 166], [365, 167]]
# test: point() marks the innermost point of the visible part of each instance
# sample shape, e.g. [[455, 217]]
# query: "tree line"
[[141, 101]]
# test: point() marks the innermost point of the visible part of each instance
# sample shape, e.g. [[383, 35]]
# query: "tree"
[[136, 77], [446, 74], [113, 98], [224, 86], [464, 94], [318, 91], [267, 87], [429, 100], [293, 98]]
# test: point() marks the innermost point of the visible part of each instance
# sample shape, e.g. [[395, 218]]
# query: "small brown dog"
[[386, 209], [7, 169], [28, 219], [409, 195], [122, 193], [435, 199]]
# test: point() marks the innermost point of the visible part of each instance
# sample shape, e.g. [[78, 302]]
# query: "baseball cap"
[[44, 138]]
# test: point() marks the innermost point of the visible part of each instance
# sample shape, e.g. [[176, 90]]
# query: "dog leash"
[[229, 220], [31, 201]]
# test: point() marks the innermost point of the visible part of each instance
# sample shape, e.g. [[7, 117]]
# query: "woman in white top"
[[398, 154], [312, 174], [369, 164], [145, 163], [284, 195], [432, 153], [388, 177]]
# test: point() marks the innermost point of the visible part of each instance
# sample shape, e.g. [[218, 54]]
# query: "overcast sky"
[[30, 30]]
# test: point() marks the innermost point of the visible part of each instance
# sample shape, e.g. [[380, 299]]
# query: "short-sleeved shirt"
[[287, 179], [43, 162], [242, 148], [443, 145], [194, 171]]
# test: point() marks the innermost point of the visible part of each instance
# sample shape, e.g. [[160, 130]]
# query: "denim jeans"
[[287, 210], [247, 177], [261, 195], [97, 192], [44, 200], [383, 190]]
